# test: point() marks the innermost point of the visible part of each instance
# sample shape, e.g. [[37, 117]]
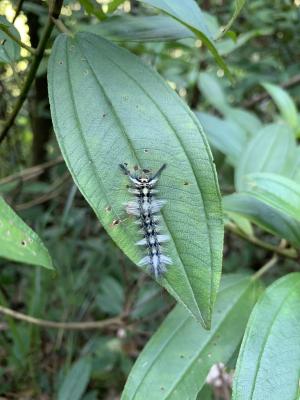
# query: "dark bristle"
[[124, 169]]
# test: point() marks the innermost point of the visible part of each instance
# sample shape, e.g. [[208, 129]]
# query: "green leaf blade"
[[155, 28], [285, 104], [9, 49], [273, 149], [188, 12], [265, 216], [190, 15], [19, 242], [181, 349], [269, 359], [128, 114], [276, 191], [76, 380], [224, 135]]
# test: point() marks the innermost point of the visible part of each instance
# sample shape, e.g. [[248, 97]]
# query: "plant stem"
[[288, 253], [62, 325], [62, 27], [54, 11], [268, 265], [18, 9], [6, 30], [30, 77], [294, 81]]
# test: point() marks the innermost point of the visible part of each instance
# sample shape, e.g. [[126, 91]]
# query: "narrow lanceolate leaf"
[[9, 49], [115, 110], [188, 12], [76, 380], [269, 359], [277, 191], [285, 104], [224, 135], [269, 218], [273, 149], [18, 242], [190, 15], [210, 86], [139, 28], [177, 359], [245, 119]]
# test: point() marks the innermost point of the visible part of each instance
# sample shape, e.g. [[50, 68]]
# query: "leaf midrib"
[[193, 118], [118, 120]]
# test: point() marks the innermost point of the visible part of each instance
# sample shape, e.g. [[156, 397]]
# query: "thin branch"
[[62, 27], [31, 172], [18, 9], [30, 77], [287, 253], [6, 30], [51, 194], [266, 267], [295, 80], [54, 11], [117, 321]]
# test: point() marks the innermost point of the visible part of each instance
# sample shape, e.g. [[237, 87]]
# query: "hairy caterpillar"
[[145, 207]]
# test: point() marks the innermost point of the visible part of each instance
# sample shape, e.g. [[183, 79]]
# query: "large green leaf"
[[108, 108], [9, 49], [181, 350], [189, 14], [18, 242], [224, 135], [277, 191], [286, 105], [269, 359], [139, 28], [273, 149], [265, 216]]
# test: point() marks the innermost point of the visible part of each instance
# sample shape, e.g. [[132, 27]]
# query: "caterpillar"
[[145, 208]]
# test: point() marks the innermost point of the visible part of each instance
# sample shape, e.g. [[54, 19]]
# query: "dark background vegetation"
[[94, 280]]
